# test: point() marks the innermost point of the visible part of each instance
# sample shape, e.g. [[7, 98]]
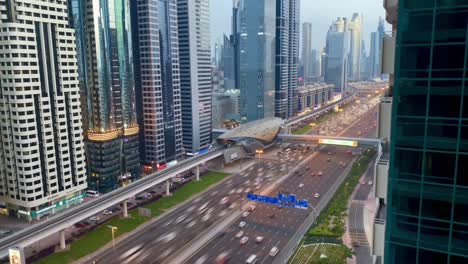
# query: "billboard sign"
[[16, 255], [286, 200], [348, 143]]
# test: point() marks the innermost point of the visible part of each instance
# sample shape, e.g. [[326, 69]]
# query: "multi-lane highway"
[[164, 239], [278, 225]]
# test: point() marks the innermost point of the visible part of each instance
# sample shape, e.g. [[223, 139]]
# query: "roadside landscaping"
[[324, 237], [101, 236], [331, 221], [321, 254]]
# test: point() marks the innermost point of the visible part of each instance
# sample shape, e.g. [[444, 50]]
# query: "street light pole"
[[113, 229]]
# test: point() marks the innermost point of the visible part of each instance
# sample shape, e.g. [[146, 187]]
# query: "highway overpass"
[[62, 220], [326, 140]]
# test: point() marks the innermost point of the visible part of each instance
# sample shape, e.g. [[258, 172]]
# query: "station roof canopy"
[[263, 130]]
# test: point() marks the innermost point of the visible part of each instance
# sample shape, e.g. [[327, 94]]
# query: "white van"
[[252, 259], [92, 193]]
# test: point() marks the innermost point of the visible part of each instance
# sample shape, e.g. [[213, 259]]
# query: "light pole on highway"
[[113, 229], [315, 213]]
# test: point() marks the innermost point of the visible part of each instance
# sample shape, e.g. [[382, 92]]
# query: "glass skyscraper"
[[156, 53], [257, 34], [106, 68], [335, 71], [427, 215]]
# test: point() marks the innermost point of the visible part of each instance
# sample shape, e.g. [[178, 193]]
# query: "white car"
[[232, 191], [239, 234], [259, 239], [320, 173], [224, 200], [258, 187], [317, 195], [245, 214], [244, 240], [94, 218], [242, 224], [107, 212], [301, 185], [252, 208], [232, 206], [274, 250], [239, 191], [247, 190], [206, 217], [369, 182]]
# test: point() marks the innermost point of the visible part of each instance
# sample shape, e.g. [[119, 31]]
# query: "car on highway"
[[356, 244], [274, 250], [313, 174], [224, 200], [320, 173], [94, 218], [244, 240], [252, 208], [369, 182], [242, 224], [307, 168], [317, 195], [5, 233], [252, 259], [245, 214], [301, 185], [343, 164], [107, 212], [239, 234], [259, 239]]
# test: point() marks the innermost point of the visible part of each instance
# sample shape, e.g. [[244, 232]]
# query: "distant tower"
[[306, 49], [355, 29], [336, 55]]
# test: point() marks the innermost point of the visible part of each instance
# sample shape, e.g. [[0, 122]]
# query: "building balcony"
[[381, 179], [391, 6], [388, 53]]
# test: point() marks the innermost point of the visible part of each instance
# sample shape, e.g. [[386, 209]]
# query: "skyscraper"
[[111, 133], [427, 208], [156, 57], [316, 64], [287, 57], [218, 56], [380, 35], [307, 62], [257, 34], [229, 63], [195, 73], [336, 55], [42, 157], [374, 59], [355, 50]]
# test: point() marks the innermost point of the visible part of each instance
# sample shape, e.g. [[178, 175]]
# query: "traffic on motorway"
[[276, 225]]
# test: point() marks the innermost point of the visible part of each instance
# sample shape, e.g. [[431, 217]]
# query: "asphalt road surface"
[[160, 241], [278, 230]]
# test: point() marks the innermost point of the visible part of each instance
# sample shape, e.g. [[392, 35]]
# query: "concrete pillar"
[[197, 172], [124, 209], [63, 245], [168, 186]]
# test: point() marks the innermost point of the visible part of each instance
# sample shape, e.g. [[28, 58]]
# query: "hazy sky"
[[320, 12]]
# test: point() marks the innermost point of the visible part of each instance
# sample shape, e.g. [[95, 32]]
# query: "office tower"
[[364, 68], [257, 34], [355, 32], [427, 210], [380, 35], [42, 157], [156, 60], [323, 56], [218, 55], [336, 53], [287, 57], [111, 134], [195, 73], [229, 63], [316, 64], [307, 63], [374, 67]]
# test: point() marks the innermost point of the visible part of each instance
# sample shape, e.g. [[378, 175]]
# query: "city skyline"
[[319, 13]]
